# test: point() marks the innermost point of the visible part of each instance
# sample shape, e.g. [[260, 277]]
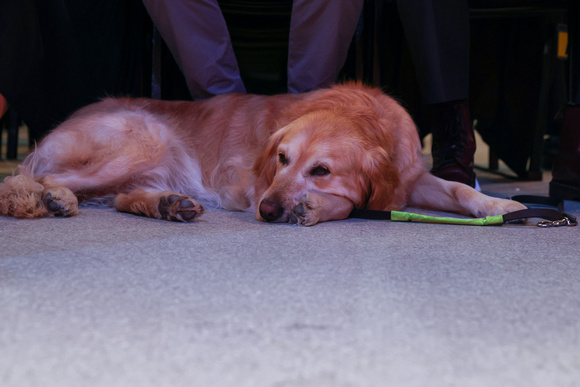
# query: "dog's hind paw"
[[60, 201], [179, 208]]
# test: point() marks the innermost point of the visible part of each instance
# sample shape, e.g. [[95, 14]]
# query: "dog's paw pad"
[[52, 204], [60, 202], [299, 210], [304, 213], [179, 208]]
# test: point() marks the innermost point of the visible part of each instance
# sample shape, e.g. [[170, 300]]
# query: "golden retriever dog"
[[302, 158]]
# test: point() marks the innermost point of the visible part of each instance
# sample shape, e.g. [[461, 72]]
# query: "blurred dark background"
[[71, 53]]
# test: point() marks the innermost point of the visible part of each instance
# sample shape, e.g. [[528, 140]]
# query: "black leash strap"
[[553, 217]]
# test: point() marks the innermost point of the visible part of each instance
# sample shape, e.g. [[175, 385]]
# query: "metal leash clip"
[[565, 221]]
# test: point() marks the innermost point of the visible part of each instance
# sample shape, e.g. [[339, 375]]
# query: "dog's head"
[[341, 153]]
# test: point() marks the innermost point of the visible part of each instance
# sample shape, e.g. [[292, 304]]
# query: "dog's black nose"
[[270, 211]]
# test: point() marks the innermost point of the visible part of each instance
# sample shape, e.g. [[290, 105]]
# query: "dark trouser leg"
[[438, 35], [320, 34], [565, 182], [197, 35]]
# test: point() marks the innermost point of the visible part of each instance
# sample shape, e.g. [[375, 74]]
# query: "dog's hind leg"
[[22, 197], [164, 205]]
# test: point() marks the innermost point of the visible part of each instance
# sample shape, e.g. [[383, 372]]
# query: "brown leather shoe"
[[565, 182], [453, 142]]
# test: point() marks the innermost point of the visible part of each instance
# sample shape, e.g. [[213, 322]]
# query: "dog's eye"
[[282, 158], [320, 170]]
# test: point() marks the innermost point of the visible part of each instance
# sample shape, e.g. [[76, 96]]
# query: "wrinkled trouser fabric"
[[437, 32], [196, 33]]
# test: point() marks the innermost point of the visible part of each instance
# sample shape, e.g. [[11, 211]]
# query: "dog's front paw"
[[306, 212], [179, 208], [60, 201], [496, 206]]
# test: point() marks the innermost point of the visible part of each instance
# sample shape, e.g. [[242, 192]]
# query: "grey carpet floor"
[[111, 299]]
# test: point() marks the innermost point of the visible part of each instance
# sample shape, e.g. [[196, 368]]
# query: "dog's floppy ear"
[[265, 164], [383, 178]]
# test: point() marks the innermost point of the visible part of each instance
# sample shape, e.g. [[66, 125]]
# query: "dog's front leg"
[[316, 207], [164, 205], [433, 193]]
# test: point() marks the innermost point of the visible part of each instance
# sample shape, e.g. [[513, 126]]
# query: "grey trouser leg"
[[320, 34], [197, 35]]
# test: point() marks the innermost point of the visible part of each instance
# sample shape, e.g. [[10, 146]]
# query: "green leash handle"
[[398, 216], [554, 217]]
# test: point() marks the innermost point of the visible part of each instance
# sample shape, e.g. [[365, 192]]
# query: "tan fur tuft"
[[21, 197]]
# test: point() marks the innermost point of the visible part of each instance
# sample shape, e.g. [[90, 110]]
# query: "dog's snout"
[[270, 211]]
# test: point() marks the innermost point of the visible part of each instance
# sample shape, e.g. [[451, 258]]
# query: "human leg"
[[197, 35], [320, 34], [438, 37], [565, 183]]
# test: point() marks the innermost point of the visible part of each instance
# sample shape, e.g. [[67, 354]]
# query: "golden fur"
[[301, 158]]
